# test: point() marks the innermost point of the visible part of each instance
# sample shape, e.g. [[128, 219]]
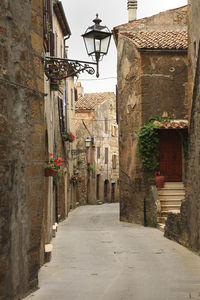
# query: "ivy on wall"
[[148, 144]]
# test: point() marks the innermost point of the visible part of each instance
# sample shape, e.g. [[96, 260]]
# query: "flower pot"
[[49, 172], [55, 85], [159, 180]]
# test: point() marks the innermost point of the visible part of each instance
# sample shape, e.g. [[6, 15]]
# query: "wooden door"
[[170, 159], [113, 193], [98, 183], [106, 190]]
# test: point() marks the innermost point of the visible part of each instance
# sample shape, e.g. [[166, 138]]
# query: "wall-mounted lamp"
[[97, 41], [87, 142]]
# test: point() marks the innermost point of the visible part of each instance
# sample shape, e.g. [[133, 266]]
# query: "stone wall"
[[130, 121], [164, 84], [22, 146], [188, 229]]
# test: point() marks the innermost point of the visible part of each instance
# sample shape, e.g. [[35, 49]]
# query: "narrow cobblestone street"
[[97, 257]]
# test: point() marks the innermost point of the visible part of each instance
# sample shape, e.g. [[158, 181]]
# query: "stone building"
[[97, 115], [22, 146], [184, 227], [152, 81], [30, 113]]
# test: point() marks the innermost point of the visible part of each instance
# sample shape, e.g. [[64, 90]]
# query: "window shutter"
[[98, 152], [75, 94], [45, 24], [72, 98], [51, 43], [61, 116], [106, 155], [117, 105], [114, 161]]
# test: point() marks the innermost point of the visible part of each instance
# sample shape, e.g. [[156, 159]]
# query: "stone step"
[[161, 226], [161, 220], [172, 197], [171, 192], [170, 202], [173, 185], [172, 189], [170, 207], [165, 213]]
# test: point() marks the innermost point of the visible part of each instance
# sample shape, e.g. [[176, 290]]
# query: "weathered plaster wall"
[[22, 146], [164, 84], [130, 120]]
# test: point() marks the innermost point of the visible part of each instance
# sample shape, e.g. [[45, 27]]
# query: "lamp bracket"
[[60, 68]]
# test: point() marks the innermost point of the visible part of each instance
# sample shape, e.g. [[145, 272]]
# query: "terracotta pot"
[[49, 172], [55, 85], [159, 180]]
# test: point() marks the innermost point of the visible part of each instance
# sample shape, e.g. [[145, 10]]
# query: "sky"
[[80, 14]]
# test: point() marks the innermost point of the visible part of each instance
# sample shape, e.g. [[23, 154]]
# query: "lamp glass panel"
[[89, 43], [105, 44], [97, 45]]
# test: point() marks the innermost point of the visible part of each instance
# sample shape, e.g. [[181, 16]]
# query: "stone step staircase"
[[170, 196]]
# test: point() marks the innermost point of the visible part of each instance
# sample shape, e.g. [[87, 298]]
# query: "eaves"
[[60, 14]]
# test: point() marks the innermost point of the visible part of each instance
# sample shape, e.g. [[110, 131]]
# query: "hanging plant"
[[79, 161], [91, 167], [75, 179], [148, 143], [68, 136], [53, 166]]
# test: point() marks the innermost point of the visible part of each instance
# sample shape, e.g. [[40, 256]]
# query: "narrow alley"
[[97, 257]]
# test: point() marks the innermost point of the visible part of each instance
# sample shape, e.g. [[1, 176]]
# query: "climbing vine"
[[148, 144]]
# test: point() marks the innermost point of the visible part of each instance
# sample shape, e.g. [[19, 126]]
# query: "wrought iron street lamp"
[[97, 41], [87, 142]]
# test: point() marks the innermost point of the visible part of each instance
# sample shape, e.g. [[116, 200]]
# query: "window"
[[47, 30], [106, 125], [115, 133], [98, 152], [114, 161], [106, 155], [114, 130]]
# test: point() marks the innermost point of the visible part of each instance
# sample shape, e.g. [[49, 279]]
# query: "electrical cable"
[[22, 86], [105, 78]]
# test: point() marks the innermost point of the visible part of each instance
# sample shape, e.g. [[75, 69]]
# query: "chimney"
[[132, 10]]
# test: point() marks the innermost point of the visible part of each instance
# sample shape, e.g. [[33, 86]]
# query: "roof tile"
[[166, 39], [90, 100]]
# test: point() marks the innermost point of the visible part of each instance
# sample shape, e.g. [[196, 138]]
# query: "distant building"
[[96, 121]]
